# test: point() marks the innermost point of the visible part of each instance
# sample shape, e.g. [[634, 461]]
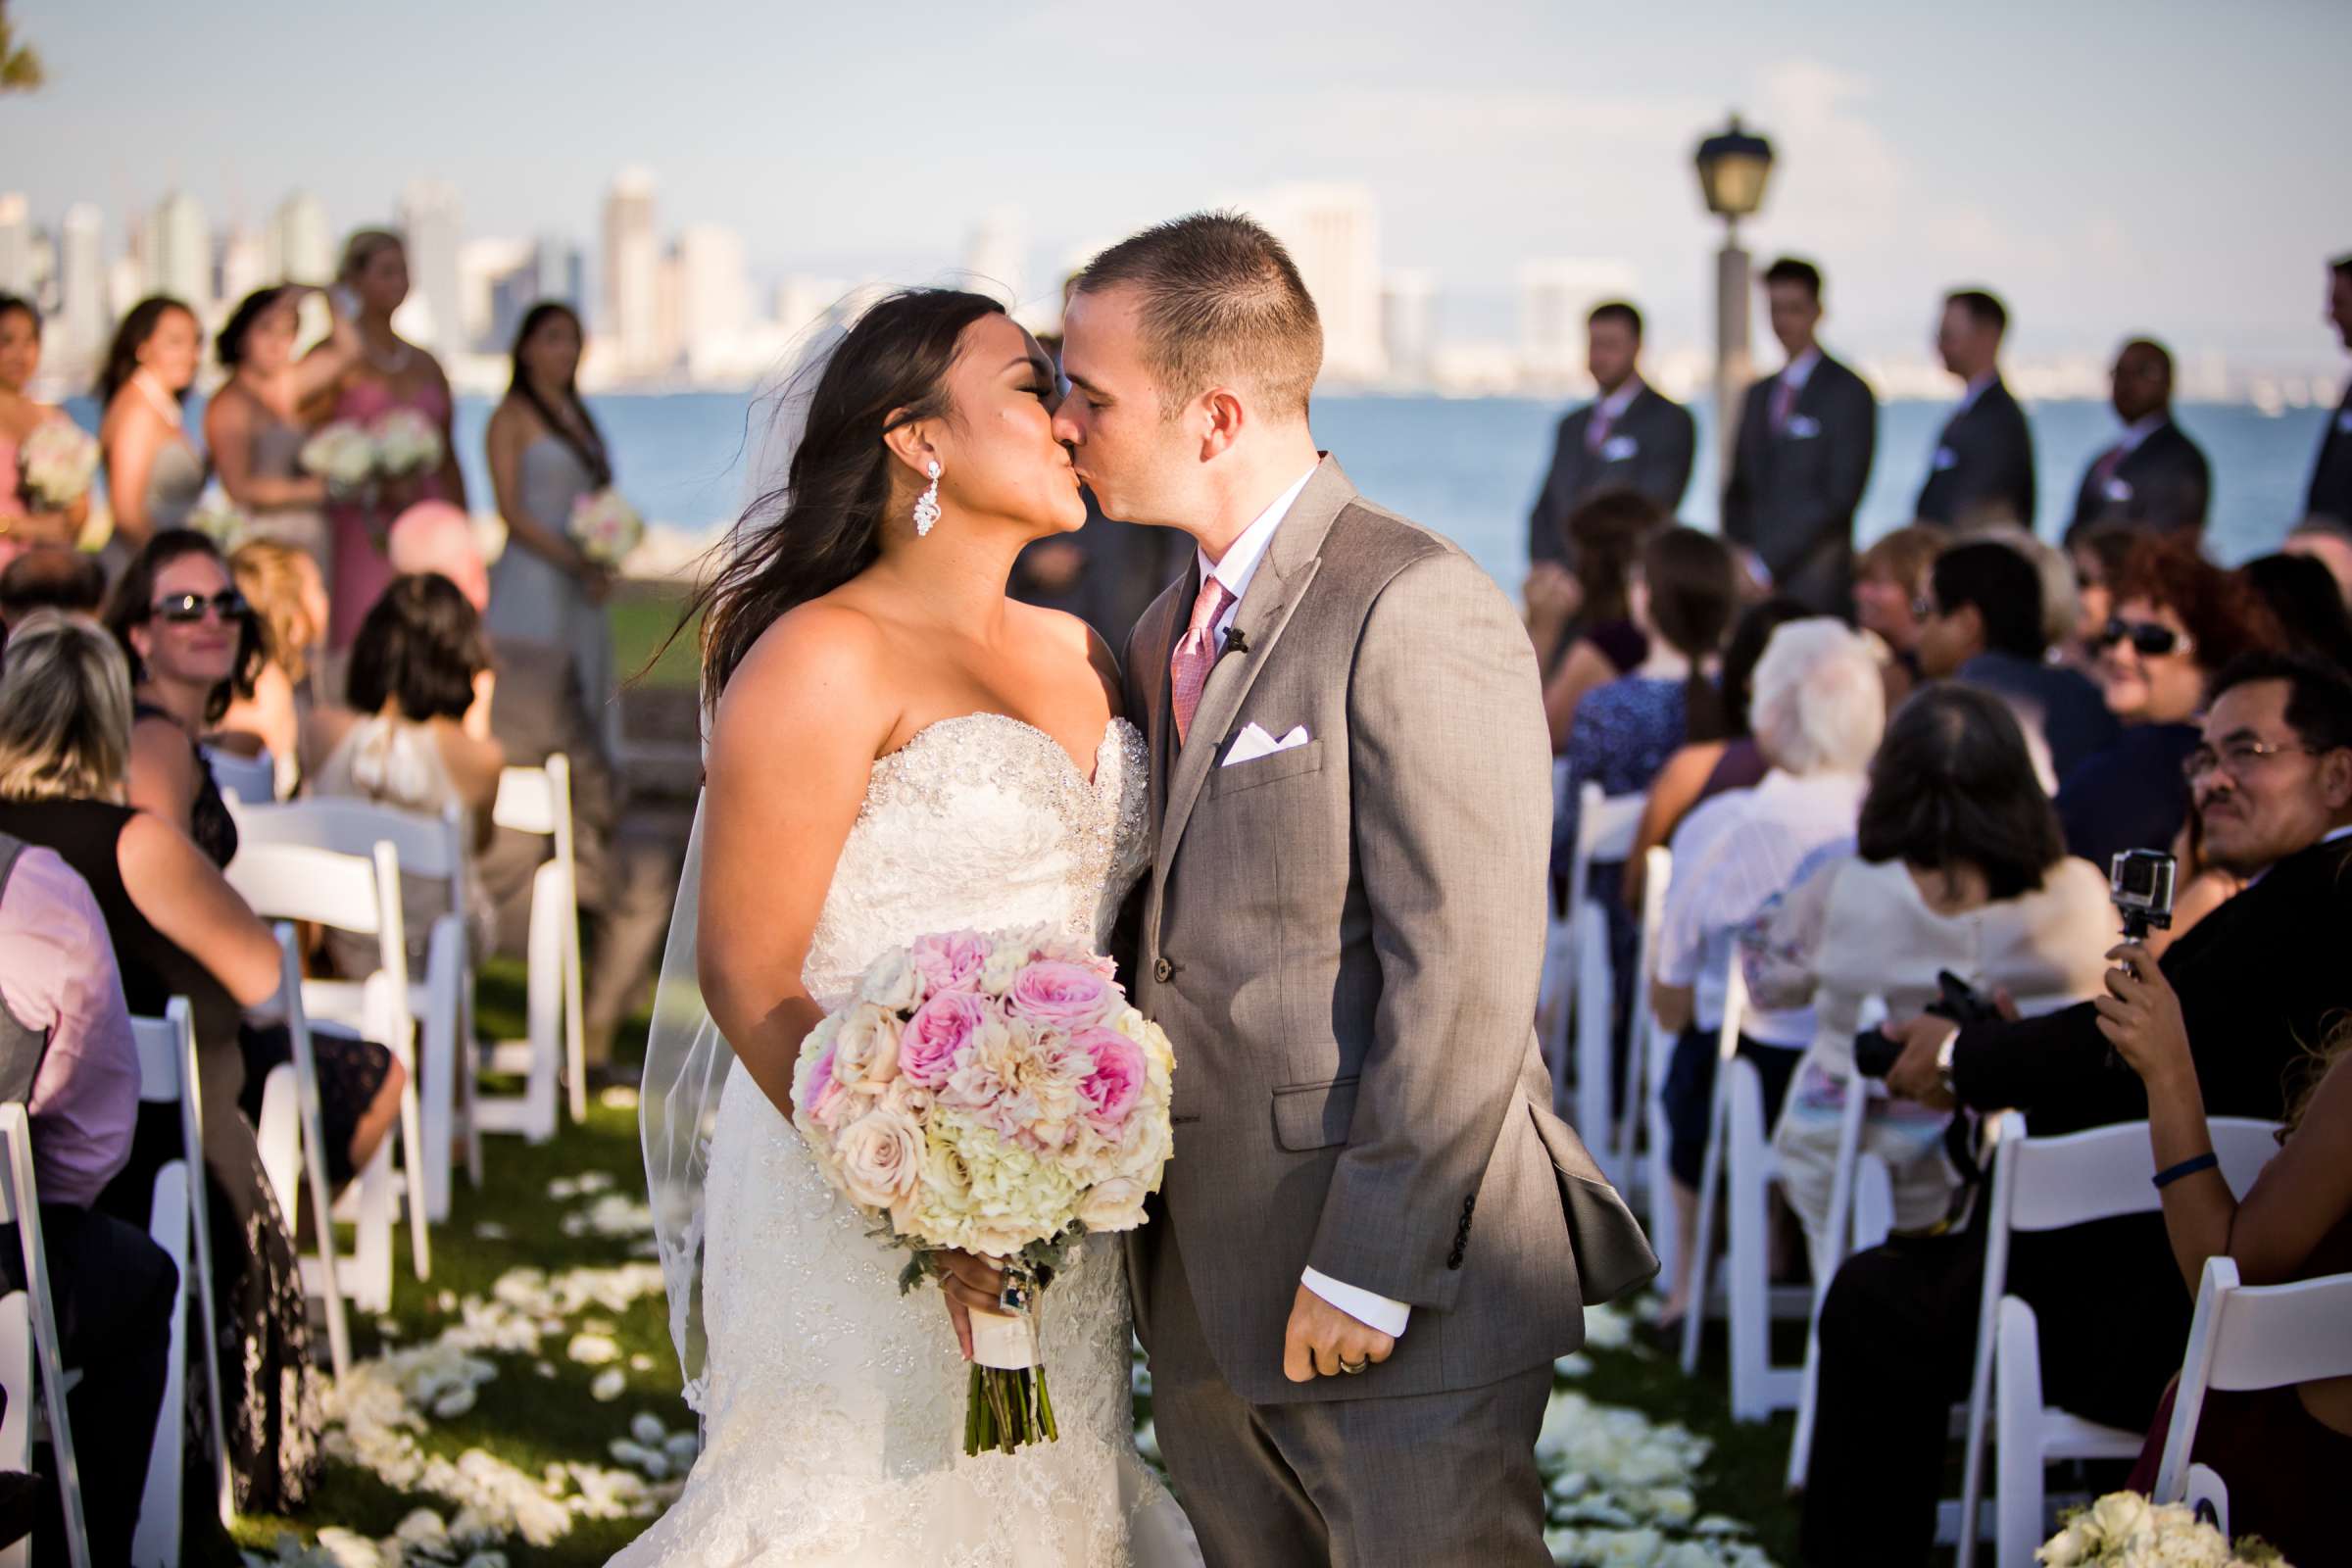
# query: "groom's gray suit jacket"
[[1343, 941]]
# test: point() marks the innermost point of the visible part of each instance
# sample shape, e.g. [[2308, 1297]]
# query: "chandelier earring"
[[926, 505]]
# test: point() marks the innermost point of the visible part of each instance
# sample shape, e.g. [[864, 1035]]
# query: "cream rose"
[[866, 1051], [881, 1157], [1117, 1204], [2122, 1517], [891, 981]]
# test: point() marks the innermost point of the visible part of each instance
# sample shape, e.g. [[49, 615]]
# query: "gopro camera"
[[2141, 881]]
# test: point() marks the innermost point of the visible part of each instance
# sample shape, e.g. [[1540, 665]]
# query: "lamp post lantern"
[[1732, 168]]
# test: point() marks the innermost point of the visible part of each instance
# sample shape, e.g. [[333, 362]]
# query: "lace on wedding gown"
[[835, 1409]]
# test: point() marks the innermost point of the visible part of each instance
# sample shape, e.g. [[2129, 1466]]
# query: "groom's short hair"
[[1221, 300]]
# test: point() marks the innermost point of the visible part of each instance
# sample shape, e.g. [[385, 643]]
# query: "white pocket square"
[[1618, 448], [1802, 427], [1253, 743]]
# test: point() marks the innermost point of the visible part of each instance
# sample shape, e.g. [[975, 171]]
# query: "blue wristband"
[[2187, 1167]]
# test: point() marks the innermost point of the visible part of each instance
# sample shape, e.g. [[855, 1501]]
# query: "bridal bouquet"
[[341, 454], [990, 1093], [406, 442], [606, 527], [2124, 1530], [55, 464]]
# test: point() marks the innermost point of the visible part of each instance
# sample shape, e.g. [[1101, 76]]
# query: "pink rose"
[[938, 1035], [1053, 995], [1110, 1091], [820, 1086], [949, 963]]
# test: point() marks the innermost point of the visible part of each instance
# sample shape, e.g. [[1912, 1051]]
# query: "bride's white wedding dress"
[[835, 1406]]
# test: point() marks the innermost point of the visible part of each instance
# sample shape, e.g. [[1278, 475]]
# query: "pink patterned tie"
[[1783, 400], [1196, 654]]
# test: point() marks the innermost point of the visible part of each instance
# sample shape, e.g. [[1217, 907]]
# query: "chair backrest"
[[2266, 1336], [242, 778], [534, 799], [163, 1046], [1605, 825], [2043, 1184], [359, 892], [427, 846]]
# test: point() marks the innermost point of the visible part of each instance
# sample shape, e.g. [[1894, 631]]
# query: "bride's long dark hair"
[[823, 527]]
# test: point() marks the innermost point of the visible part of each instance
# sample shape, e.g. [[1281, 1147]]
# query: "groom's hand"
[[1321, 1338]]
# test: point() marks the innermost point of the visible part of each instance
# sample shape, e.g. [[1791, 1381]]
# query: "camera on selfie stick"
[[2141, 882]]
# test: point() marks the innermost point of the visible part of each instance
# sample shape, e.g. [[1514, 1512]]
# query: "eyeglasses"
[[2150, 639], [2233, 757], [187, 609]]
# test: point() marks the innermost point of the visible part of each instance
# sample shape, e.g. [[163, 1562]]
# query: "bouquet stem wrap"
[[1009, 1407]]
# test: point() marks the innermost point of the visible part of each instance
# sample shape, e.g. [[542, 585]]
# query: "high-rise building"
[[483, 265], [1333, 235], [633, 272], [241, 266], [714, 292], [81, 282], [16, 245], [430, 223], [178, 253], [1554, 298], [299, 248], [1407, 307], [551, 272], [995, 254]]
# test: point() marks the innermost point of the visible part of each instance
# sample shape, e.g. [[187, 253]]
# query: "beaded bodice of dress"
[[984, 823]]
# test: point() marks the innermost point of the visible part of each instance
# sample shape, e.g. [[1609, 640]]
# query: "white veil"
[[686, 1058]]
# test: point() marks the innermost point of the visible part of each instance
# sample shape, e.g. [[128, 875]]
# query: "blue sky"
[[2110, 168]]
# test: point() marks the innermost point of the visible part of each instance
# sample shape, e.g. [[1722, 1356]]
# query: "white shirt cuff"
[[1373, 1311]]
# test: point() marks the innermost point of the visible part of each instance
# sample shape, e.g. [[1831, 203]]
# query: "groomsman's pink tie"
[[1783, 400], [1196, 654]]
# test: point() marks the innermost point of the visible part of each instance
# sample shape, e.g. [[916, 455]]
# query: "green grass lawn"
[[642, 618], [539, 1409]]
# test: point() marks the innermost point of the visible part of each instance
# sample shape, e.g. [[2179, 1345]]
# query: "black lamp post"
[[1732, 168]]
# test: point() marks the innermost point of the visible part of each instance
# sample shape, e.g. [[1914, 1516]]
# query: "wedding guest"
[[2302, 596], [2329, 496], [1818, 714], [2179, 620], [1708, 765], [1890, 594], [153, 474], [2153, 476], [65, 1033], [255, 425], [1959, 867], [1983, 469], [287, 595], [2282, 1452], [1587, 632], [176, 929], [27, 521], [2262, 974], [389, 373], [2327, 542], [415, 735], [191, 639], [1627, 438], [1984, 625], [437, 538], [2061, 594], [546, 456], [50, 577], [2098, 554], [1805, 438]]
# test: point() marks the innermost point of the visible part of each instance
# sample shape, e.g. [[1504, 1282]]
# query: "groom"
[[1359, 1271]]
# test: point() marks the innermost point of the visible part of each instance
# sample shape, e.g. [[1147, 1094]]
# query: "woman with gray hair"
[[1818, 711]]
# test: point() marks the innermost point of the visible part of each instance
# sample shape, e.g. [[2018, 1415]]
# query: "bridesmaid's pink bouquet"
[[996, 1095], [55, 464], [606, 527]]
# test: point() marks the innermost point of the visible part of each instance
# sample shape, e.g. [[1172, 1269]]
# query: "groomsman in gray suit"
[[1627, 438], [2330, 493], [1374, 1236], [1982, 468], [2152, 476], [1806, 435]]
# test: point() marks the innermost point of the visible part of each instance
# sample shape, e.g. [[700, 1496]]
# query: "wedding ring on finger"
[[1352, 1368]]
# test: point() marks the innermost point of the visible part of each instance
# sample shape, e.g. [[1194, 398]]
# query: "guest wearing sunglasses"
[[2174, 619], [191, 639]]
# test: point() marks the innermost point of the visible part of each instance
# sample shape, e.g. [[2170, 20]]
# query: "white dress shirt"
[[1797, 371], [1976, 390], [1235, 570], [2139, 431]]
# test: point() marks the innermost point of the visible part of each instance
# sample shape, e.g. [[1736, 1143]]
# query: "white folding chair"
[[2209, 1498], [2251, 1337], [241, 778], [2042, 1184], [168, 1076], [29, 1354], [1642, 1139], [1605, 826], [294, 1150], [359, 894], [538, 800]]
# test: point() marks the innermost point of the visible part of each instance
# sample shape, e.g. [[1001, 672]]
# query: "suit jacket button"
[[1161, 970]]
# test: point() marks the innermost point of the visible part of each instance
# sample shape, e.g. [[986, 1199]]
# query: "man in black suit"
[[1803, 455], [1984, 626], [2331, 494], [1629, 438], [2258, 979], [2154, 477], [1983, 470]]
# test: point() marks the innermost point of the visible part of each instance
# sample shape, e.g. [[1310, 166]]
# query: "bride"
[[895, 748]]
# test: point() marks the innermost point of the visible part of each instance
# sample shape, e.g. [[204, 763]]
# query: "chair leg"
[[2017, 1436], [1702, 1243], [413, 1161], [156, 1543]]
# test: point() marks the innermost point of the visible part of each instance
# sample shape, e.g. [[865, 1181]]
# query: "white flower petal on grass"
[[456, 1402], [618, 1096], [591, 1350], [490, 1230], [1572, 1366], [610, 1385], [647, 1428], [683, 1448], [546, 1369], [641, 1362], [348, 1549]]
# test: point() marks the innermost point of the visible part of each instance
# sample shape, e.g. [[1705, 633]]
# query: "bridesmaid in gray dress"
[[153, 474], [546, 453], [256, 425]]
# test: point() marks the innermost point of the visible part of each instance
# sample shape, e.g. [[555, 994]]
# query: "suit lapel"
[[1265, 611], [1154, 645]]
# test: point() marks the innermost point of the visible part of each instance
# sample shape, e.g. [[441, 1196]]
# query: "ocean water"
[[1469, 467]]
